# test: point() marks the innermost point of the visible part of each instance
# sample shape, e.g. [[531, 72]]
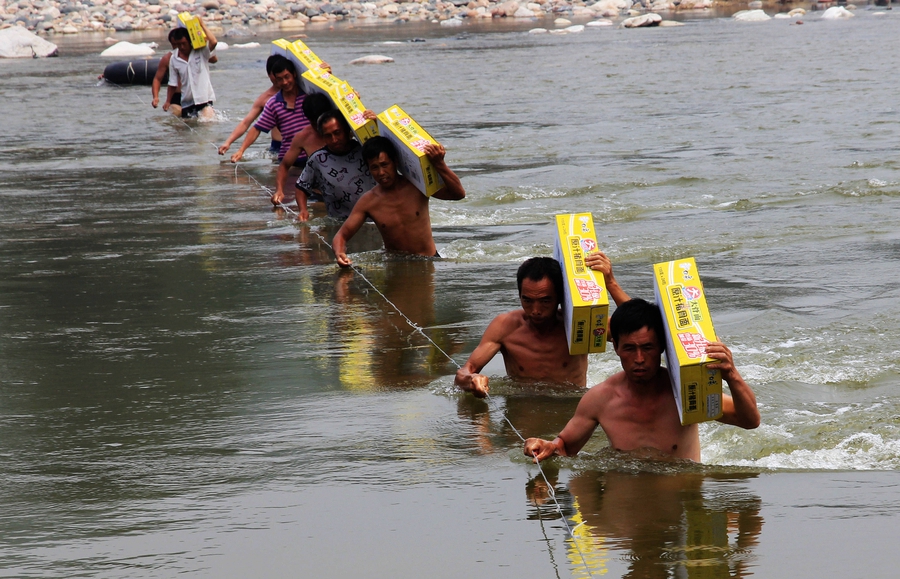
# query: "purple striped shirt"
[[289, 121]]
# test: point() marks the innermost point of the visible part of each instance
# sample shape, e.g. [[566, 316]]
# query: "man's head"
[[636, 328], [314, 106], [381, 156], [540, 285], [284, 73], [335, 132], [180, 39], [270, 63]]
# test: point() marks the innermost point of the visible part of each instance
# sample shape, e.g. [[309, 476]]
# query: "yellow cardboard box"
[[410, 140], [198, 38], [585, 299], [298, 53], [343, 97], [689, 327]]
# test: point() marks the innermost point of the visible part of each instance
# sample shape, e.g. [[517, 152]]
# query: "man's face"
[[182, 45], [539, 301], [640, 354], [335, 136], [383, 170], [284, 80]]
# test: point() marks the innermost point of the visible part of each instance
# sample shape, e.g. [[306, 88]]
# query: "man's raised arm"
[[740, 408], [161, 71], [211, 41], [468, 377], [599, 262], [453, 189]]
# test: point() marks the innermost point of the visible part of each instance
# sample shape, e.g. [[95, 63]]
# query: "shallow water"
[[188, 384]]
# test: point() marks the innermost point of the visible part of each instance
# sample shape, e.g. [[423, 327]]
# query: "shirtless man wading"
[[635, 407], [533, 340], [399, 210]]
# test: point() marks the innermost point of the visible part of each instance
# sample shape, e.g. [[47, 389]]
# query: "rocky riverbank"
[[236, 17]]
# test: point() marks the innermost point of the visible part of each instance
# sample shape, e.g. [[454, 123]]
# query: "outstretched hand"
[[223, 149]]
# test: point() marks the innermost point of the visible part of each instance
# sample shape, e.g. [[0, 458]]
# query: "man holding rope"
[[635, 407], [532, 340]]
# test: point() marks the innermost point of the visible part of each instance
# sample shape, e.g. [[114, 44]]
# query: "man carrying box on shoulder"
[[189, 69], [635, 407], [398, 208], [532, 340]]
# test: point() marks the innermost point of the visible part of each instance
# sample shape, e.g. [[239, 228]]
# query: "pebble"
[[234, 18]]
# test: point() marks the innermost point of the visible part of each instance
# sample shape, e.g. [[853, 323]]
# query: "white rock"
[[392, 42], [372, 59], [575, 29], [128, 49], [69, 30], [836, 13], [561, 22], [523, 12], [754, 5], [642, 21], [782, 16], [245, 45], [222, 46], [538, 31], [292, 24], [451, 22], [601, 22], [797, 12], [16, 42], [611, 5], [751, 16]]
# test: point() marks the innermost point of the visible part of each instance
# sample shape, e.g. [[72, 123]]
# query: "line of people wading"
[[317, 149]]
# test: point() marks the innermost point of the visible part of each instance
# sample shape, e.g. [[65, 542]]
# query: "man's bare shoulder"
[[262, 99], [505, 324], [604, 391]]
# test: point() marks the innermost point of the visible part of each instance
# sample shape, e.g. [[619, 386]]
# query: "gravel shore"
[[237, 17]]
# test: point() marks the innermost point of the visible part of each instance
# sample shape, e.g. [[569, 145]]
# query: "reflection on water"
[[686, 525]]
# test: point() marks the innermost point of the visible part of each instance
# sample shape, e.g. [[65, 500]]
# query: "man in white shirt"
[[189, 68]]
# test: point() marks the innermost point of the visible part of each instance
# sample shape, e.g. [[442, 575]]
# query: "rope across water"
[[268, 191]]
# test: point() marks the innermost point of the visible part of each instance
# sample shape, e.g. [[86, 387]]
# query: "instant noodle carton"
[[198, 38], [343, 97], [688, 326], [585, 299], [297, 51], [410, 140]]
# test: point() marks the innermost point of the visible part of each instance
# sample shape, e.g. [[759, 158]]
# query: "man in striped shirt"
[[284, 111]]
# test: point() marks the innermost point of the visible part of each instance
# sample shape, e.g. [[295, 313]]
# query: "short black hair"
[[538, 268], [634, 315], [332, 114], [270, 62], [314, 106], [178, 34], [378, 145], [284, 64]]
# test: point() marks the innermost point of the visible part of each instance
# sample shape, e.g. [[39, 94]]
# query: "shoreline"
[[237, 21]]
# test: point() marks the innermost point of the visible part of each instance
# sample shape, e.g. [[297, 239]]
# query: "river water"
[[188, 384]]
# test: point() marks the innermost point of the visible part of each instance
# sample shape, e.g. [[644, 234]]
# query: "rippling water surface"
[[188, 384]]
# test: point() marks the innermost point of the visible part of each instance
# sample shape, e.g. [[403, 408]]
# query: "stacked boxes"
[[298, 53], [688, 326], [410, 140], [343, 97], [198, 38], [585, 300]]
